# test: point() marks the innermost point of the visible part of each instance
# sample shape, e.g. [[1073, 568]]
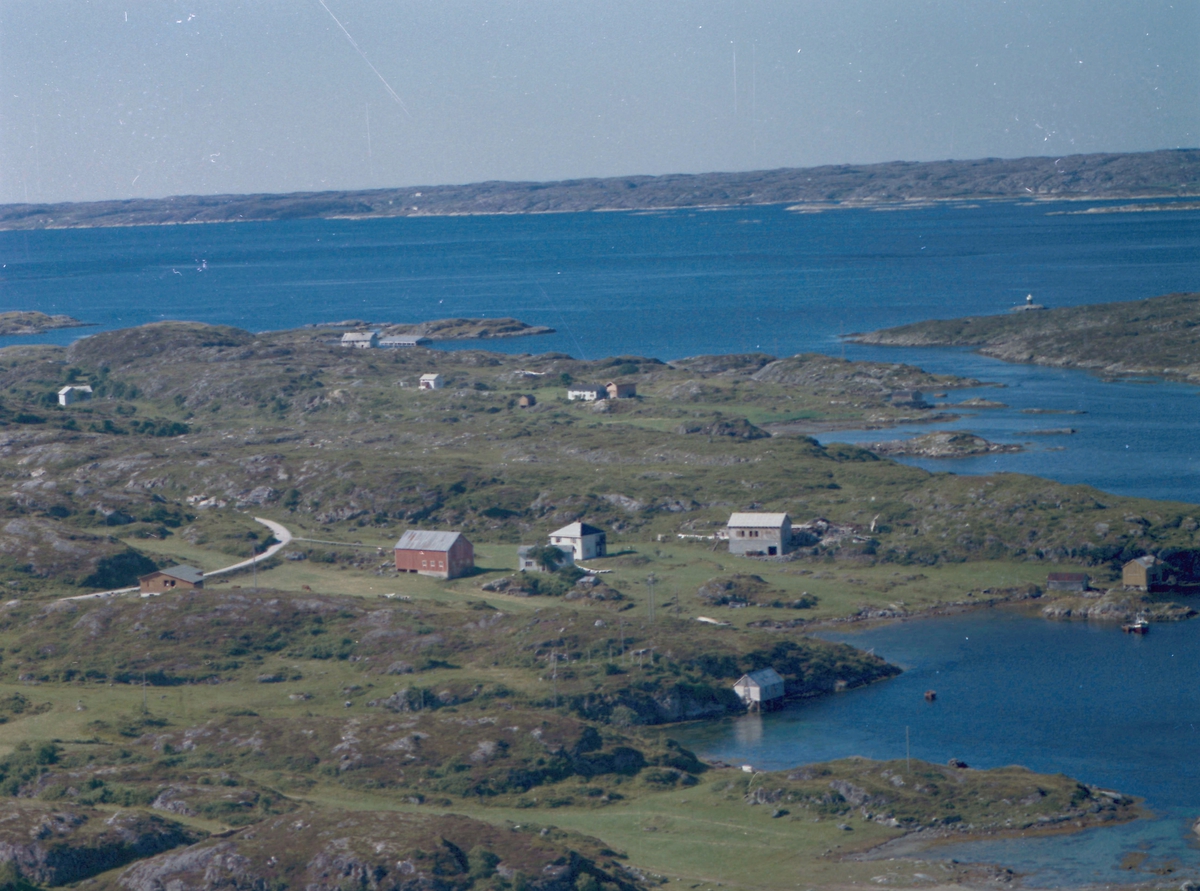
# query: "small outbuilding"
[[908, 399], [1067, 581], [177, 578], [69, 395], [527, 563], [443, 555], [586, 394], [527, 401], [620, 391], [1143, 573], [363, 340], [759, 689], [584, 541], [401, 341], [759, 534], [431, 382]]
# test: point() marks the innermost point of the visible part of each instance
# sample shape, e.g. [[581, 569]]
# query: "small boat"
[[930, 695], [1138, 626]]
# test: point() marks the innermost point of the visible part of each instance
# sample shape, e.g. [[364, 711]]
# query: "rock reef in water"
[[946, 444]]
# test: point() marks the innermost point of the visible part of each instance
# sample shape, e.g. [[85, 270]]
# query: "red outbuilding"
[[445, 555]]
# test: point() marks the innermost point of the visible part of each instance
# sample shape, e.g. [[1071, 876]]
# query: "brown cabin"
[[620, 391], [527, 401], [1143, 573], [177, 578]]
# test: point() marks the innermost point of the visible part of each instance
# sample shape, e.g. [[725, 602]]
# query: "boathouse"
[[584, 541], [620, 391], [1143, 573], [758, 689], [1067, 581], [363, 340], [70, 395], [443, 555], [431, 382], [759, 535], [177, 578]]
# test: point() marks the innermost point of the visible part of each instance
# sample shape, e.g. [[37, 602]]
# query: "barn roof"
[[1067, 576], [577, 530], [425, 540], [188, 574], [1148, 560], [758, 520]]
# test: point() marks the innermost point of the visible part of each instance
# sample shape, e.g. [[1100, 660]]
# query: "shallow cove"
[[1082, 699]]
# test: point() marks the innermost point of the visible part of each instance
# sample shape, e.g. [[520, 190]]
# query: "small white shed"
[[586, 394], [69, 395], [363, 340], [759, 688], [431, 382]]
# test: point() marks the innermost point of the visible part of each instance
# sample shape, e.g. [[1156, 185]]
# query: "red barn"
[[445, 555]]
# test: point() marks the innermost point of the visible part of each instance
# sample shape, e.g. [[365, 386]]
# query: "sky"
[[104, 99]]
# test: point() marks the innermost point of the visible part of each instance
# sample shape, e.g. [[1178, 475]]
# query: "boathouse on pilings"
[[760, 689], [1143, 573]]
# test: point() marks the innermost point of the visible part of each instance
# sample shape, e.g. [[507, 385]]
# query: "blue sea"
[[1056, 697]]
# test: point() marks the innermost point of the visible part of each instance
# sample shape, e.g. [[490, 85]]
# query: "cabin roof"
[[184, 573], [764, 677]]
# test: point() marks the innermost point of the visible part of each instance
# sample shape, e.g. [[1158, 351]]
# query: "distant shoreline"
[[889, 185]]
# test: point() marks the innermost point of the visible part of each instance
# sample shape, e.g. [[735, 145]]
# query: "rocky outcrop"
[[944, 444], [57, 845], [1117, 605]]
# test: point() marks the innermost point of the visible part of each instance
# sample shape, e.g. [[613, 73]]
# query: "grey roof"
[[1147, 561], [757, 520], [577, 530], [183, 573], [423, 540], [764, 677], [403, 340]]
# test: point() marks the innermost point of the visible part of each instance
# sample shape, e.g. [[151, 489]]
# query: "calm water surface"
[[1056, 697]]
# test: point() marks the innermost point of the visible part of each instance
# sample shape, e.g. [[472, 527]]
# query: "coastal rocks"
[[1117, 605], [20, 323], [944, 444]]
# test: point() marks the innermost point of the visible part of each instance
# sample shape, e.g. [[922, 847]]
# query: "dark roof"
[[421, 540], [183, 573], [1067, 576], [577, 530]]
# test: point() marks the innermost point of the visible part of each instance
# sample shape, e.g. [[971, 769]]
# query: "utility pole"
[[554, 675], [650, 584]]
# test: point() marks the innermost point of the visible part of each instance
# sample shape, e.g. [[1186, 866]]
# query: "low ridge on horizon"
[[1167, 173]]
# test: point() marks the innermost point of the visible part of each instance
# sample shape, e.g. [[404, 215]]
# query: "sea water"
[[1067, 697]]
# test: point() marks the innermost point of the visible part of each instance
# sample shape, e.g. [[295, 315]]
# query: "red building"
[[445, 555]]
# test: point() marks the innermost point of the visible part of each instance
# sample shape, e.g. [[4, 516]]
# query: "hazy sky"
[[122, 99]]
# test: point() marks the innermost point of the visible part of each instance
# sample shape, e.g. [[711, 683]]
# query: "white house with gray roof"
[[584, 541], [759, 534]]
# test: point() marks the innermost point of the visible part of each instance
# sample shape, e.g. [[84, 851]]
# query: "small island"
[[943, 444], [1153, 337], [18, 323], [468, 329]]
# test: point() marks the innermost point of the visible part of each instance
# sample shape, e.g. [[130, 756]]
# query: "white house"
[[761, 535], [363, 340], [526, 563], [584, 541], [586, 394], [760, 687], [431, 382], [68, 395]]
